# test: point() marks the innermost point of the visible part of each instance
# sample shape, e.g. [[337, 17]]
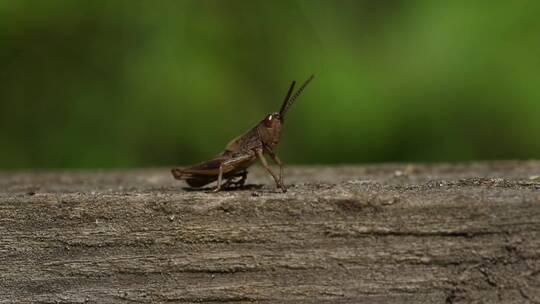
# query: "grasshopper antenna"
[[288, 102], [287, 97]]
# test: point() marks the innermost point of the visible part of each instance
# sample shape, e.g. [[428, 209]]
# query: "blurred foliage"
[[99, 84]]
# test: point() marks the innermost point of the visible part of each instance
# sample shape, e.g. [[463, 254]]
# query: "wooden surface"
[[466, 233]]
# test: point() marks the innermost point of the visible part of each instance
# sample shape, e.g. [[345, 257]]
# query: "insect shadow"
[[228, 189]]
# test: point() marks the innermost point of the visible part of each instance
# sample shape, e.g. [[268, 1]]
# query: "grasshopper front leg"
[[265, 165], [280, 164]]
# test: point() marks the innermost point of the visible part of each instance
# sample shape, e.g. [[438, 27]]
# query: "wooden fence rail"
[[456, 233]]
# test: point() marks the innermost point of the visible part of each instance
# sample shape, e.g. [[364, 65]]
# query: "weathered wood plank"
[[457, 233]]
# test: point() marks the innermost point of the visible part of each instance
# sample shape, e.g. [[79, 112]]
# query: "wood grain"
[[449, 233]]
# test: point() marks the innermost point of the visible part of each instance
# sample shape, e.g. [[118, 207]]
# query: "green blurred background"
[[107, 84]]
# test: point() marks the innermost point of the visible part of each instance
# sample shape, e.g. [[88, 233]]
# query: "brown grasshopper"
[[242, 152]]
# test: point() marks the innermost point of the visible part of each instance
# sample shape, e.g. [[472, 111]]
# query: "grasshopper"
[[243, 151]]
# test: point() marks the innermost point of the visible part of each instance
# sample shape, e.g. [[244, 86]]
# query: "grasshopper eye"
[[268, 120]]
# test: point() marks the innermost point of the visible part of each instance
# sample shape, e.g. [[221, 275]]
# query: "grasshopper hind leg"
[[240, 183], [233, 182], [227, 171], [220, 177]]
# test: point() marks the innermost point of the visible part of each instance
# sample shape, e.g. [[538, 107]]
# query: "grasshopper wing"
[[200, 174], [208, 168], [206, 172]]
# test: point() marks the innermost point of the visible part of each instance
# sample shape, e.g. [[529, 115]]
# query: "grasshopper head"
[[270, 127], [270, 130]]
